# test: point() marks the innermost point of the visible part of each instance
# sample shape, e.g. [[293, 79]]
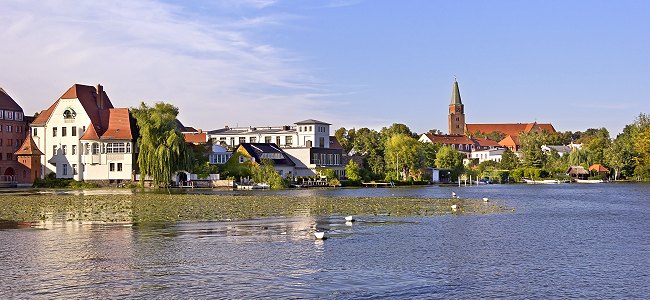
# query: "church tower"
[[456, 113]]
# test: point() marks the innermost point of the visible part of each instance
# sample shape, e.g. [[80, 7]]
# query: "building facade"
[[307, 133], [13, 131], [83, 137], [456, 118]]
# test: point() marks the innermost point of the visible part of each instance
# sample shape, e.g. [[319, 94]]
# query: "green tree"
[[266, 173], [430, 150], [346, 138], [233, 168], [531, 149], [450, 158], [367, 143], [405, 153], [163, 150], [352, 171], [509, 160]]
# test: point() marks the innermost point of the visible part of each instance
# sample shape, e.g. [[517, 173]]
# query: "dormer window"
[[69, 113]]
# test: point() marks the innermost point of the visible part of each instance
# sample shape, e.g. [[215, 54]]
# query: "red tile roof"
[[28, 148], [598, 168], [446, 139], [509, 140], [87, 96], [90, 134], [119, 124], [486, 142], [198, 137], [508, 129]]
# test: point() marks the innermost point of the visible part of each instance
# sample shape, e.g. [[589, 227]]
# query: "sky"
[[351, 63]]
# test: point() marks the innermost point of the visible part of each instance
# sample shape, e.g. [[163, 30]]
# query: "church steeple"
[[455, 94], [456, 112]]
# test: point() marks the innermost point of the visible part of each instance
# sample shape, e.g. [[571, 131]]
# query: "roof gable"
[[28, 148], [88, 97], [6, 102], [260, 151]]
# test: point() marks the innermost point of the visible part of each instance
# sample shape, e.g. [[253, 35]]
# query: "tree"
[[352, 171], [430, 150], [266, 173], [367, 144], [450, 158], [346, 138], [405, 153], [163, 150], [531, 149], [509, 160]]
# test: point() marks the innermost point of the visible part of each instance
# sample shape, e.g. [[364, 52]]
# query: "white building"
[[85, 138], [307, 133], [484, 155]]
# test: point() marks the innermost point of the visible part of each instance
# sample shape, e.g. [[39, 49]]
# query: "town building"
[[83, 137], [485, 155], [13, 131], [461, 143], [308, 144], [257, 152]]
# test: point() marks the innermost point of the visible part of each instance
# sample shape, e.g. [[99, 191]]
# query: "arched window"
[[69, 113]]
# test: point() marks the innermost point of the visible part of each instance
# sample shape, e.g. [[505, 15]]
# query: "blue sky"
[[576, 64]]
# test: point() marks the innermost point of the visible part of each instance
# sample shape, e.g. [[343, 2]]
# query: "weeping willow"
[[162, 148]]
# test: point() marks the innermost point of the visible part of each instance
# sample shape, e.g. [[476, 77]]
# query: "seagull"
[[453, 195], [485, 199], [350, 219], [319, 235], [454, 207]]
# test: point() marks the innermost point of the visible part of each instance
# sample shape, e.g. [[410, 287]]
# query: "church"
[[460, 132]]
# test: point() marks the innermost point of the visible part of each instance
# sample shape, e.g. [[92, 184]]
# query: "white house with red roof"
[[83, 137]]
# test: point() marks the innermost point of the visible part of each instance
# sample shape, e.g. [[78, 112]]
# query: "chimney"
[[200, 131], [100, 96]]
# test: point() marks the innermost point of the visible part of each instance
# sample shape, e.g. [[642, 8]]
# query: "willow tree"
[[162, 148]]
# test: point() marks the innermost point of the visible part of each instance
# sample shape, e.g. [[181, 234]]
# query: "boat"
[[546, 181], [589, 181]]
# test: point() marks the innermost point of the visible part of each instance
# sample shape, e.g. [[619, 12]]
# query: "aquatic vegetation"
[[149, 207]]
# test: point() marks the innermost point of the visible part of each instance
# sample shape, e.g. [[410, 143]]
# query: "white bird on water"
[[319, 235], [350, 219], [454, 207], [485, 199], [453, 195]]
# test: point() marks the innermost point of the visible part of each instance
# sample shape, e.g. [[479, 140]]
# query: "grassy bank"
[[143, 208]]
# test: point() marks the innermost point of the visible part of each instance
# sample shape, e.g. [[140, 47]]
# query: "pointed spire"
[[28, 148], [455, 94]]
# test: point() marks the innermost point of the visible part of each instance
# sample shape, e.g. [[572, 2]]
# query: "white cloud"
[[211, 68]]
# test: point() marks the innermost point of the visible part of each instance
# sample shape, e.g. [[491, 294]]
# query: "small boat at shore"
[[589, 181], [546, 181]]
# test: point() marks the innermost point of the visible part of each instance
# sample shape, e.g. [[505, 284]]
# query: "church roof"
[[455, 95], [28, 147], [513, 129], [447, 139]]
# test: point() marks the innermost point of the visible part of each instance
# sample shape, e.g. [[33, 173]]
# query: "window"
[[119, 167], [10, 156], [242, 139], [267, 139], [95, 148], [272, 155], [86, 149], [74, 149], [65, 149], [128, 147], [321, 142], [65, 169], [69, 114], [299, 128], [35, 132], [9, 142], [54, 148], [64, 131], [19, 129], [232, 141], [54, 131], [241, 159], [10, 128], [17, 144], [9, 115], [277, 140], [0, 142], [253, 139], [83, 129], [115, 148], [0, 156], [2, 114], [111, 167], [19, 116], [74, 130], [74, 169], [289, 140], [310, 128]]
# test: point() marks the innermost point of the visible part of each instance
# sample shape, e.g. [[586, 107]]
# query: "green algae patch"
[[145, 208]]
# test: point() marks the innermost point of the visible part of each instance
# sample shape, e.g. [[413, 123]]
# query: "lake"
[[561, 241]]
